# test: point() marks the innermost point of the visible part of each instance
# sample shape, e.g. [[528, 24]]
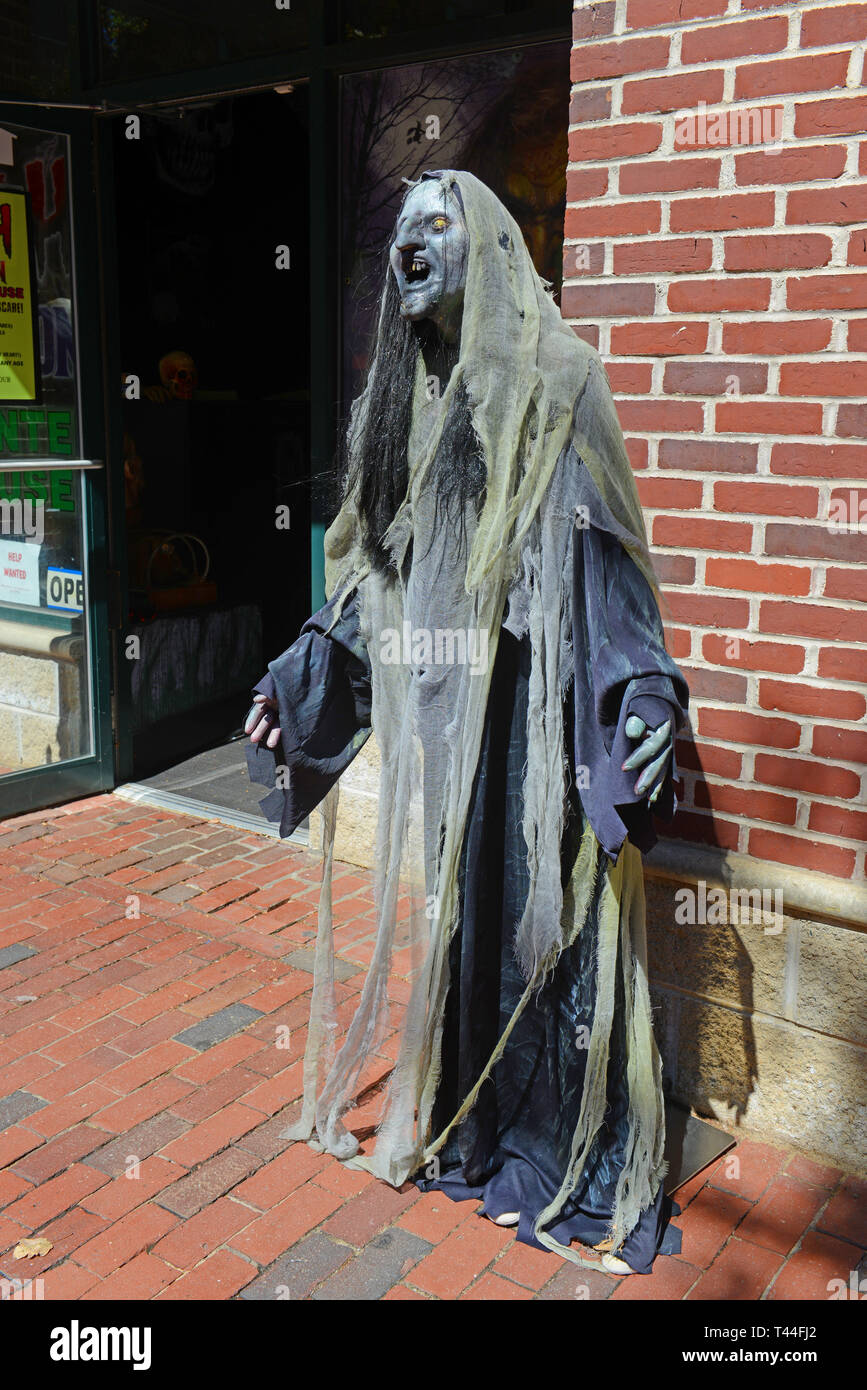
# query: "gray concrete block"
[[11, 955], [219, 1026], [18, 1106], [298, 1272], [381, 1264], [303, 958]]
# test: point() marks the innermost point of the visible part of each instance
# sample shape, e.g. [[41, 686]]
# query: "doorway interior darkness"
[[213, 332]]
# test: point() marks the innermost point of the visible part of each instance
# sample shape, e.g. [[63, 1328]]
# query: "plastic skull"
[[179, 376]]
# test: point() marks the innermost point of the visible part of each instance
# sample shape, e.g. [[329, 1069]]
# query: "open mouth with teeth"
[[415, 271]]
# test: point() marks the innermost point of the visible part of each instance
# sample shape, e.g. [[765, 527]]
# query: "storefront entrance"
[[205, 236], [213, 288]]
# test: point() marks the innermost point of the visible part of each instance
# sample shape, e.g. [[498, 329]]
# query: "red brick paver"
[[159, 1170], [741, 1271]]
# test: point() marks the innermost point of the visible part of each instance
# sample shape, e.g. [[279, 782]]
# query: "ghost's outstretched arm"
[[311, 714], [630, 696]]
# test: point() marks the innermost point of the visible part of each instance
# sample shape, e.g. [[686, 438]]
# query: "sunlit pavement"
[[155, 973]]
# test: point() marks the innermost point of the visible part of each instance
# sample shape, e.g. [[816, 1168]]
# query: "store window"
[[138, 38], [377, 19], [45, 696], [37, 41]]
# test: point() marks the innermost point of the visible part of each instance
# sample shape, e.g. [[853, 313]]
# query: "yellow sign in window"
[[18, 377]]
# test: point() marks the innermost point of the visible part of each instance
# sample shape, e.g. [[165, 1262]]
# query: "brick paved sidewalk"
[[154, 987]]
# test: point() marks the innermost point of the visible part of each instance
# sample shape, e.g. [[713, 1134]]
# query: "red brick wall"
[[725, 285]]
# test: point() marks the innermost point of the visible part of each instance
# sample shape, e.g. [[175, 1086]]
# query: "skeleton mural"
[[187, 144], [503, 505]]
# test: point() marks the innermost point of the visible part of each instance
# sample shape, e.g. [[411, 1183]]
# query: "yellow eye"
[[439, 224]]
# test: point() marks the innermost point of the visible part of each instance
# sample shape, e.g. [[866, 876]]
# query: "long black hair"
[[376, 468]]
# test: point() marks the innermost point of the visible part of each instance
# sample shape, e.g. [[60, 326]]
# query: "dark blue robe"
[[512, 1150]]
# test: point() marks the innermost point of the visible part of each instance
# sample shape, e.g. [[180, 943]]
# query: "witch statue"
[[489, 513]]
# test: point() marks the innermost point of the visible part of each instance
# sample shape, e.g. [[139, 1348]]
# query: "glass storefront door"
[[55, 738]]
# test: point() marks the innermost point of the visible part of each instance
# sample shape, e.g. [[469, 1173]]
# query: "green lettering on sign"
[[60, 432], [62, 498], [31, 419], [35, 485], [10, 487], [30, 431], [8, 431]]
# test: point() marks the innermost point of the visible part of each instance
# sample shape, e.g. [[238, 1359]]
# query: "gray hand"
[[261, 722], [652, 754]]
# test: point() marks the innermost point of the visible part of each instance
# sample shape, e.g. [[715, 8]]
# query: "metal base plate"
[[690, 1145]]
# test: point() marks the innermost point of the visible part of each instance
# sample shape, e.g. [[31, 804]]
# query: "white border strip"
[[171, 801]]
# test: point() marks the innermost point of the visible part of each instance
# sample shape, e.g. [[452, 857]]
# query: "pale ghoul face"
[[429, 257]]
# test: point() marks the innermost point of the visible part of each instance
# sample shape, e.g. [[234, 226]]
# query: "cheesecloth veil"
[[533, 389]]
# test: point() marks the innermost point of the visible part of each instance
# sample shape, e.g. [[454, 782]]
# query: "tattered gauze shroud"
[[533, 388]]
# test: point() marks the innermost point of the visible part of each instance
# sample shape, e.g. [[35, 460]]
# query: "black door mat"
[[213, 784]]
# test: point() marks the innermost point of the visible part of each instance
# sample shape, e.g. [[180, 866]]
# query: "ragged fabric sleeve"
[[621, 668], [322, 688]]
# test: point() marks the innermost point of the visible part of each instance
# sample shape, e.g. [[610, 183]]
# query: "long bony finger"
[[650, 773], [649, 746]]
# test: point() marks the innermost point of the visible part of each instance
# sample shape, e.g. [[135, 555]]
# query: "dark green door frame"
[[117, 580]]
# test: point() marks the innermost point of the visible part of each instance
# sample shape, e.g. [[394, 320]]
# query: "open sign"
[[64, 589]]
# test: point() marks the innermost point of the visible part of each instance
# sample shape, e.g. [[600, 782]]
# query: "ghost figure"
[[501, 506], [178, 375]]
